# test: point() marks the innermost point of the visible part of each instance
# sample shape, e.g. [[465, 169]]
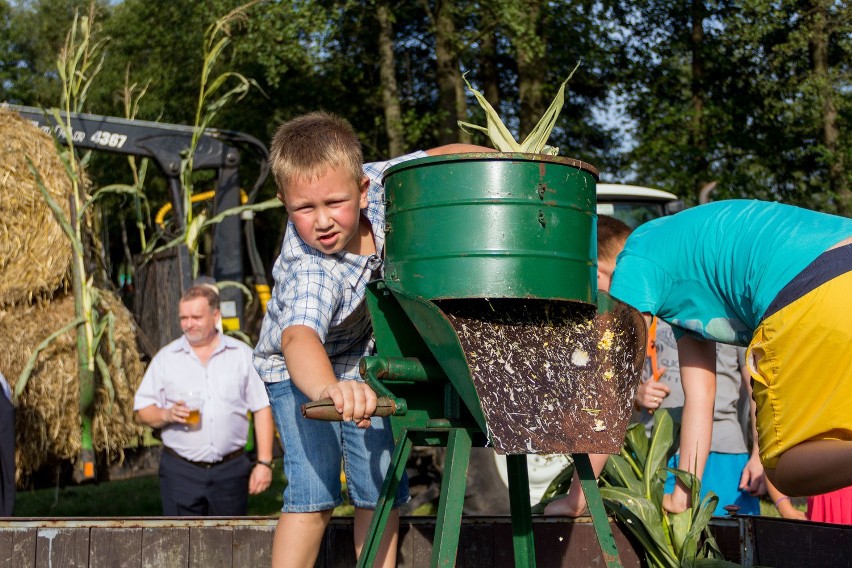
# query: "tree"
[[754, 95], [390, 91]]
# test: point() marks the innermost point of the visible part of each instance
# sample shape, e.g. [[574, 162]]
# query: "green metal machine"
[[490, 330]]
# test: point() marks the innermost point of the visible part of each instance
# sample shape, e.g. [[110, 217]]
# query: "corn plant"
[[500, 136], [215, 93], [78, 63], [632, 488]]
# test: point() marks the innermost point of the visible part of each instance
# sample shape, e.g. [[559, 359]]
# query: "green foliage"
[[633, 492], [632, 489]]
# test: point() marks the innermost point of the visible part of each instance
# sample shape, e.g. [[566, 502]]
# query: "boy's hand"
[[354, 400]]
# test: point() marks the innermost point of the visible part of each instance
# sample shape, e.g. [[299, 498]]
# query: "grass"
[[138, 497]]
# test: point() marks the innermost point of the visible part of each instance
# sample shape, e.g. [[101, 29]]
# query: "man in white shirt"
[[204, 469]]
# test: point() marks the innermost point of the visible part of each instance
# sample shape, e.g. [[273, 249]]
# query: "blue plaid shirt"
[[326, 293]]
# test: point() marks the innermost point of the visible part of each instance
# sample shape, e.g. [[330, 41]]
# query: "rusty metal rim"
[[496, 156]]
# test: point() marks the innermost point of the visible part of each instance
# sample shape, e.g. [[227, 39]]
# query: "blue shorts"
[[314, 449], [722, 476]]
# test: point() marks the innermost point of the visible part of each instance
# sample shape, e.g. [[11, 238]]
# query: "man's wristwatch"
[[268, 464]]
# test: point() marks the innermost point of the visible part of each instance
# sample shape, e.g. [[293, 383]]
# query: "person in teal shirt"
[[777, 279]]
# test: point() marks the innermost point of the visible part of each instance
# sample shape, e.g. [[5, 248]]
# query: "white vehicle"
[[634, 204]]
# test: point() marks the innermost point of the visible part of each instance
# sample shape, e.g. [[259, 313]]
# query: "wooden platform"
[[246, 542], [485, 542]]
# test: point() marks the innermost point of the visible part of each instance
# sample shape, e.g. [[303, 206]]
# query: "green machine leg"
[[373, 540], [523, 540], [450, 506], [597, 510]]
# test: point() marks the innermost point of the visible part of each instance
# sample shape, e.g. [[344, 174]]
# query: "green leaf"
[[636, 442], [254, 207], [28, 368], [643, 519], [619, 472], [680, 524], [661, 440]]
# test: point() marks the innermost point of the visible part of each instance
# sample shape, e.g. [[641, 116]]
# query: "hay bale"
[[35, 254], [48, 416]]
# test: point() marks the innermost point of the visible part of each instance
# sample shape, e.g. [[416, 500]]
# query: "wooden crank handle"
[[324, 409]]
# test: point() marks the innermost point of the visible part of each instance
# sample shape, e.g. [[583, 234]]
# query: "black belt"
[[228, 457]]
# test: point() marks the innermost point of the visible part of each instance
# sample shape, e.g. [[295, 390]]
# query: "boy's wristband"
[[785, 498], [268, 464]]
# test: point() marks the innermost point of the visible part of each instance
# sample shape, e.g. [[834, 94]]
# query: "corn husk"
[[500, 136], [35, 255]]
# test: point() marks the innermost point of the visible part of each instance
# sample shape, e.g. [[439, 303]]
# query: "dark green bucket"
[[492, 225]]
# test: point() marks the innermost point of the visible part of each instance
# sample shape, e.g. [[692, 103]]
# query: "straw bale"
[[48, 417], [35, 254]]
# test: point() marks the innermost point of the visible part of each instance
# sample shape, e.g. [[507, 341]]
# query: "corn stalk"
[[215, 93], [79, 61], [131, 96]]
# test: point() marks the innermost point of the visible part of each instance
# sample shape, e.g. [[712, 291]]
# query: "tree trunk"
[[529, 45], [698, 136], [451, 98], [390, 90], [489, 74], [816, 18]]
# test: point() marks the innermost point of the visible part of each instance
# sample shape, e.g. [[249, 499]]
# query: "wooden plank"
[[476, 546], [338, 549], [782, 543], [166, 547], [211, 547], [253, 546], [18, 546], [415, 545], [66, 547], [115, 547]]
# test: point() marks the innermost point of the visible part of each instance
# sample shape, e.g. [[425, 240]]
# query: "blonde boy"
[[317, 328]]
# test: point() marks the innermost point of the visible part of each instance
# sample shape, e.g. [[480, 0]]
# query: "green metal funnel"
[[492, 225]]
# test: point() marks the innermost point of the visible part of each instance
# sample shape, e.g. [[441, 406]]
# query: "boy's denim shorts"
[[314, 449]]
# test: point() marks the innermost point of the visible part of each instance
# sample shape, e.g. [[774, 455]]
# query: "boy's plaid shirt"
[[326, 293]]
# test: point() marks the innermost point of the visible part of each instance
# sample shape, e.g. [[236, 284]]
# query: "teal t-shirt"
[[714, 269]]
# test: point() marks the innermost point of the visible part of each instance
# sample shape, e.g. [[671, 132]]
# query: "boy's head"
[[612, 234], [317, 163], [308, 145]]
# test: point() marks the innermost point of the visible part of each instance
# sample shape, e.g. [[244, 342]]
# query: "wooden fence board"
[[166, 547], [211, 547], [253, 546], [338, 548], [19, 546], [66, 547], [414, 545], [115, 548]]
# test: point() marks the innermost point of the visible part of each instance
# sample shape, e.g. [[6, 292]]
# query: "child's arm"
[[311, 372], [753, 478], [785, 507], [698, 377]]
